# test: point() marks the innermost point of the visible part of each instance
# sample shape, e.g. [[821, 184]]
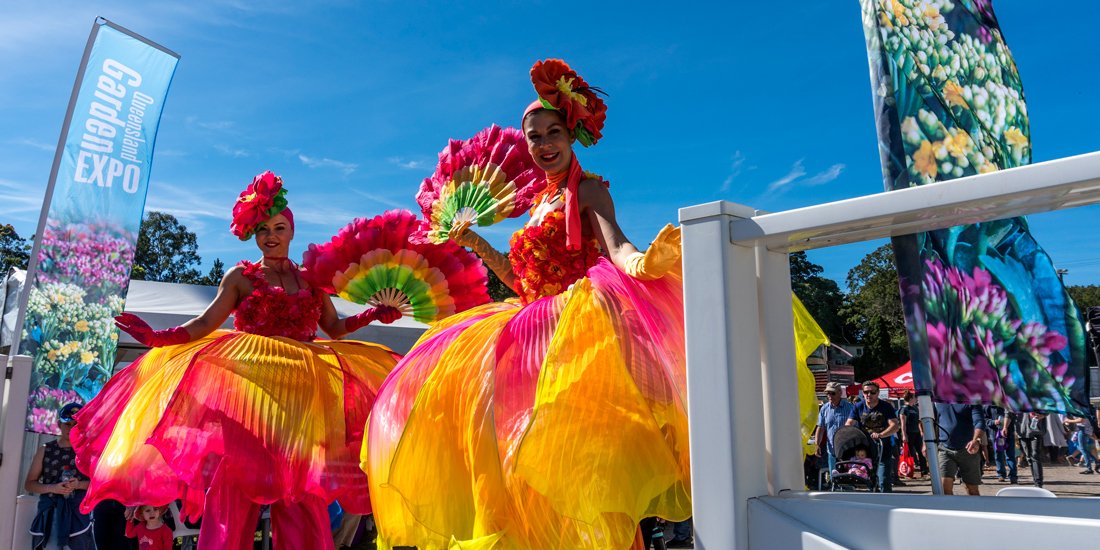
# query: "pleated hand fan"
[[372, 261], [482, 180]]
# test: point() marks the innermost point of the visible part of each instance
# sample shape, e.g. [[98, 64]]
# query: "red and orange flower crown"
[[561, 89], [262, 199]]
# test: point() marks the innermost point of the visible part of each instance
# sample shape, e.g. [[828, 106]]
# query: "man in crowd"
[[959, 433], [912, 433], [1002, 424], [833, 414], [880, 421]]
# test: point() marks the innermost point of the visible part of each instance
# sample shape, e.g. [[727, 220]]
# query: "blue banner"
[[84, 248]]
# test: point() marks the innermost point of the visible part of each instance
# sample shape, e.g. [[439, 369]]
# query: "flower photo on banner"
[[986, 315]]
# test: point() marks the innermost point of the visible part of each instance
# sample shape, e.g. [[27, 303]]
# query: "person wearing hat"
[[561, 421], [229, 420], [60, 487], [832, 416]]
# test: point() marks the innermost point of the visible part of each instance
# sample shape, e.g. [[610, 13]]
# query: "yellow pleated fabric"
[[555, 425], [281, 418]]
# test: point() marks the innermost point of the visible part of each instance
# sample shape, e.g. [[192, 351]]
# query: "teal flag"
[[987, 316], [84, 248]]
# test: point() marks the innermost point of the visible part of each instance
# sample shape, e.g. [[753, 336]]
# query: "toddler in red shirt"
[[148, 527]]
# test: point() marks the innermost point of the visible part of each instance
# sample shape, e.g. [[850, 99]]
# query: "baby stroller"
[[845, 442]]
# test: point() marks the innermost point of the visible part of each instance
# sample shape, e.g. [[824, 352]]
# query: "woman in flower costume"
[[560, 421], [230, 420]]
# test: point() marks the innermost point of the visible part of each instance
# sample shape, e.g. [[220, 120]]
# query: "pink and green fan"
[[372, 261], [482, 180]]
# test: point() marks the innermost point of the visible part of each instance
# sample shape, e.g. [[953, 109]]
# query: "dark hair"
[[908, 395], [872, 383], [532, 112]]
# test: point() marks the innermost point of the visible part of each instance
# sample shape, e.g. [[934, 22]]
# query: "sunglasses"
[[830, 393], [869, 392]]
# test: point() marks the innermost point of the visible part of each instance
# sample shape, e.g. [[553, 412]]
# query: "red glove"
[[383, 314], [134, 326]]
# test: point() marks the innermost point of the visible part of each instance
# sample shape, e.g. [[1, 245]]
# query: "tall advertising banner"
[[987, 317], [84, 247]]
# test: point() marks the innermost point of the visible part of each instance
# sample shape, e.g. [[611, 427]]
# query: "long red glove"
[[141, 331], [382, 314]]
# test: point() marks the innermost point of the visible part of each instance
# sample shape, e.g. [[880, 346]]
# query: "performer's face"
[[273, 237], [548, 140]]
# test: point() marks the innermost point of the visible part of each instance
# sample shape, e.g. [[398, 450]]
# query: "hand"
[[973, 446], [384, 314], [462, 235], [904, 438], [129, 513], [141, 331], [820, 451], [875, 436], [61, 489], [662, 255]]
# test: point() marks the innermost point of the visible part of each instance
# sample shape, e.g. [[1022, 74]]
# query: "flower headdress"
[[561, 89], [262, 199]]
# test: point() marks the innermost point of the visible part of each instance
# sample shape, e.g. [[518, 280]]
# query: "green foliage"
[[14, 251], [874, 308], [166, 251], [498, 291], [1085, 296], [821, 296], [214, 277]]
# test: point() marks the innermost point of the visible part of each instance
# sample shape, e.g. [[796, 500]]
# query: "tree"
[[874, 309], [821, 296], [1085, 296], [498, 291], [166, 251], [214, 277], [14, 251]]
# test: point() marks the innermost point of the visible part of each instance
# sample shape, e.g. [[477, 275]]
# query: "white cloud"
[[406, 164], [825, 176], [314, 162], [230, 151], [797, 171], [385, 201], [34, 143], [735, 170]]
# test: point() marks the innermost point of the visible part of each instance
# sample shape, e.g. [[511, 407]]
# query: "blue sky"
[[350, 102]]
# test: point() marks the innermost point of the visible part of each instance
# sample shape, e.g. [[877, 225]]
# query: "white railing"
[[740, 351]]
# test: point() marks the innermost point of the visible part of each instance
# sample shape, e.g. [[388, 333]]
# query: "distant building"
[[833, 364]]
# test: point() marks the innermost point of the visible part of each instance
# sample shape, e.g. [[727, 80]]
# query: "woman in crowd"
[[229, 420], [559, 422]]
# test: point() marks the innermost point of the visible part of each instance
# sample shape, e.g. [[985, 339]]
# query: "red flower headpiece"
[[561, 89], [262, 199]]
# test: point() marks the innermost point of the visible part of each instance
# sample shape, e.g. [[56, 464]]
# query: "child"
[[862, 469], [147, 526]]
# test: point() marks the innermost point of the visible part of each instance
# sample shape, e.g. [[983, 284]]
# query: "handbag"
[[906, 465]]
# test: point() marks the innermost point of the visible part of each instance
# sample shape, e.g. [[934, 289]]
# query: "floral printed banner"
[[90, 220], [987, 317]]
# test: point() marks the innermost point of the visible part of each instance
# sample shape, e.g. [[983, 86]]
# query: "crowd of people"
[[969, 439]]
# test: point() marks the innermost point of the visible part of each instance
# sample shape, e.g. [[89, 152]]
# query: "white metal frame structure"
[[746, 475]]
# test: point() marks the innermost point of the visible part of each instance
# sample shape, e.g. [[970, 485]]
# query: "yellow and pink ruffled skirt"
[[555, 425], [281, 419]]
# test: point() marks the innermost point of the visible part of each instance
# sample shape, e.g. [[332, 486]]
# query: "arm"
[[819, 438], [337, 328], [31, 483], [1006, 424], [230, 290], [462, 235], [891, 429], [904, 426], [595, 202], [229, 294], [131, 528]]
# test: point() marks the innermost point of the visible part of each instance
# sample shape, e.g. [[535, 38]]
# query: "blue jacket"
[[73, 528]]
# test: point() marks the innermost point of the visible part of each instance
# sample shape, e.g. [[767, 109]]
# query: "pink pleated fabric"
[[279, 419], [559, 424]]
